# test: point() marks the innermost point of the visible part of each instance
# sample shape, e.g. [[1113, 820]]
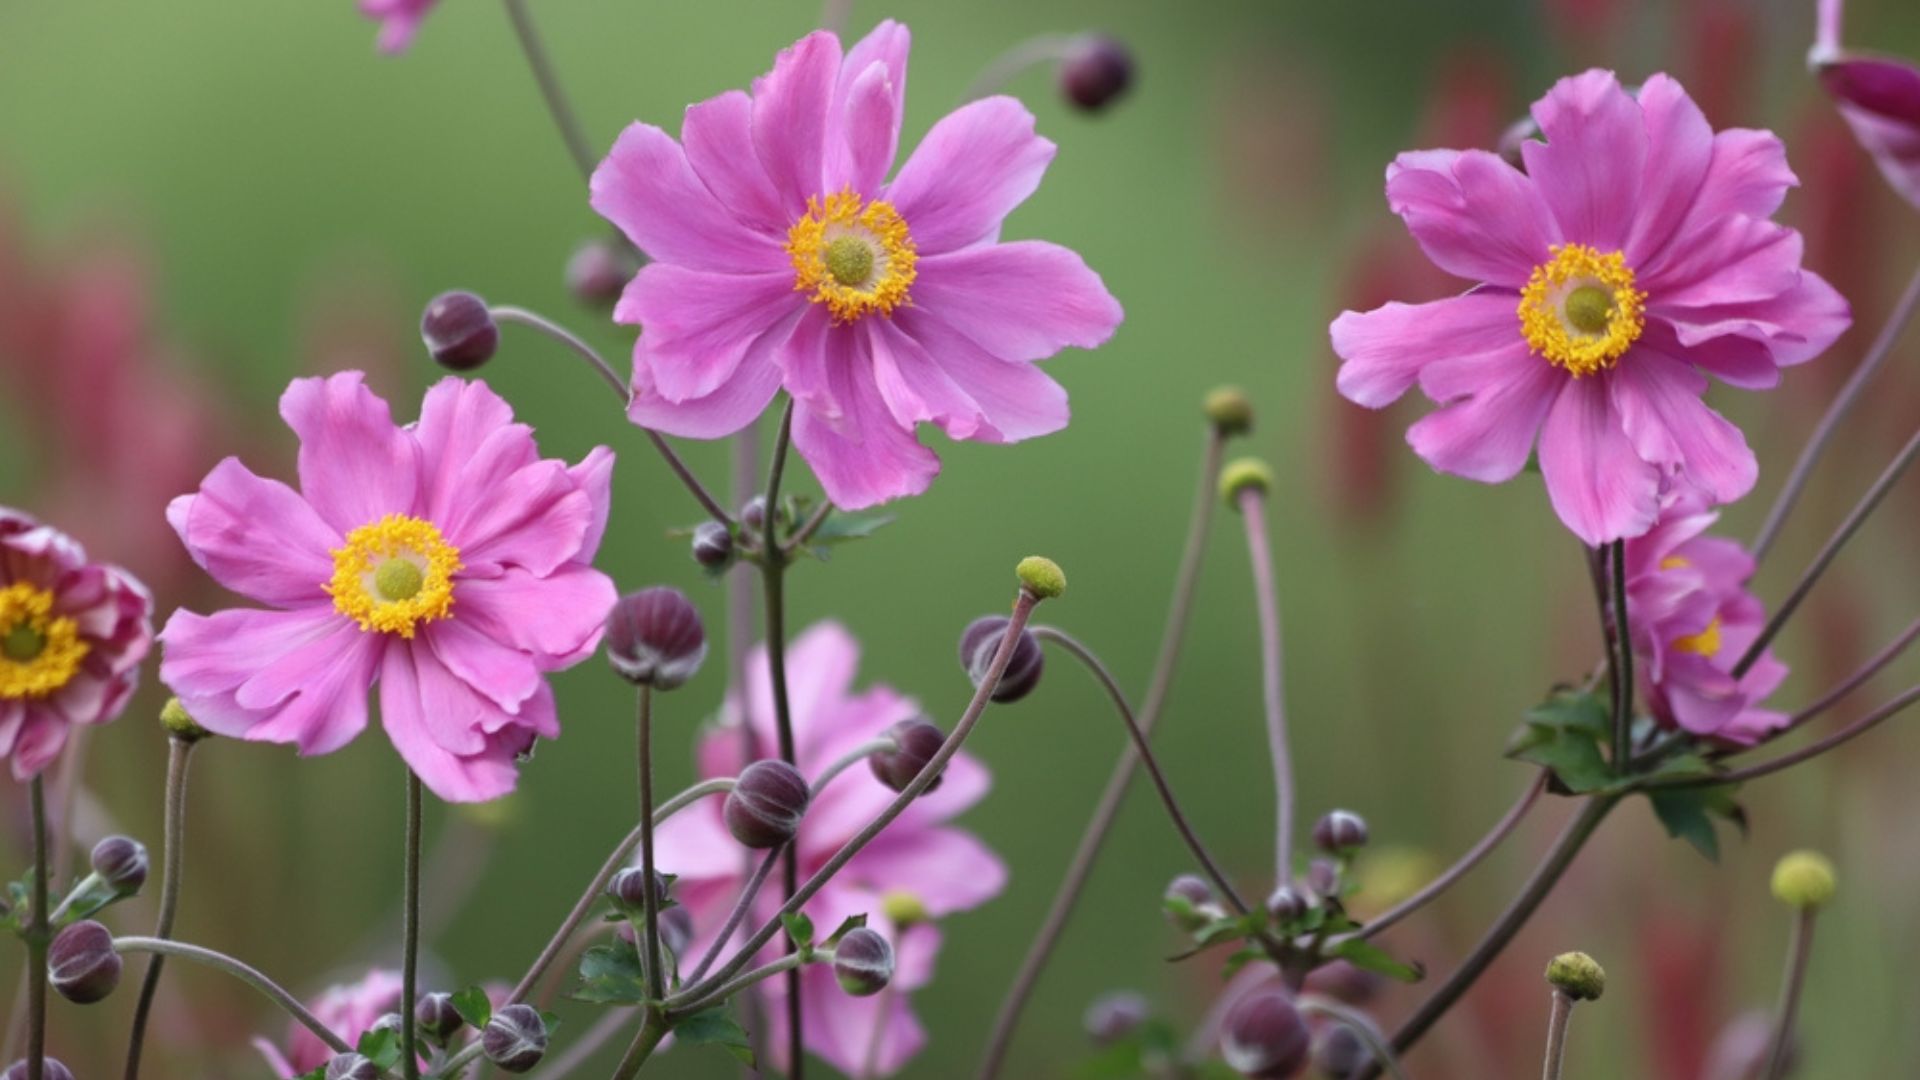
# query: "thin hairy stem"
[[410, 934], [1787, 761], [805, 533], [558, 106], [179, 755], [1799, 949], [1358, 1023], [773, 577], [1003, 68], [1829, 425], [1253, 510], [1557, 1022], [653, 1028], [38, 935], [686, 1004], [741, 906], [1623, 653], [656, 976], [581, 1049], [851, 758], [239, 970]]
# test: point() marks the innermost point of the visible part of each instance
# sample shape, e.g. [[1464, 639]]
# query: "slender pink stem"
[[1254, 511]]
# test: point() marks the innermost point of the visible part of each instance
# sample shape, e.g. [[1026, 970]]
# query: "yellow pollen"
[[1705, 643], [1674, 562], [1580, 311], [855, 257], [394, 574], [39, 651]]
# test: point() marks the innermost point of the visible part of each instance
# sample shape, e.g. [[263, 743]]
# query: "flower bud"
[[1803, 880], [754, 514], [1342, 981], [712, 545], [438, 1020], [766, 804], [387, 1022], [1041, 577], [352, 1067], [1115, 1016], [1323, 878], [179, 724], [863, 962], [82, 964], [122, 863], [1264, 1036], [1198, 896], [54, 1071], [655, 638], [1242, 475], [676, 929], [459, 331], [1230, 410], [1287, 904], [917, 741], [1096, 70], [628, 890], [1340, 832], [515, 1038], [981, 639], [598, 271], [1340, 1052], [1578, 976]]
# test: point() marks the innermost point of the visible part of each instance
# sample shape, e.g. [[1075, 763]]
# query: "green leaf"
[[317, 1074], [852, 922], [92, 895], [474, 1006], [799, 930], [381, 1046], [841, 527], [1688, 813], [610, 975], [1367, 956], [1574, 756], [1573, 710], [714, 1027]]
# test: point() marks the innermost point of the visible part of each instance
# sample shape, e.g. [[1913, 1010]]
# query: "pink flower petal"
[[1008, 401], [887, 46], [315, 697], [558, 618], [492, 668], [1598, 485], [863, 149], [1880, 101], [209, 659], [594, 477], [1475, 216], [790, 109], [468, 442], [718, 135], [863, 458], [1589, 169], [697, 325], [733, 405], [1025, 300], [1738, 260], [1747, 174], [535, 518], [1657, 399], [356, 466], [871, 1037], [646, 187], [947, 869], [1795, 326], [1742, 358], [1680, 142], [414, 691], [1487, 434], [257, 537], [1383, 351], [978, 163]]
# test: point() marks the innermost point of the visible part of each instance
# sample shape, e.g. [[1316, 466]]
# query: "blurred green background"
[[292, 199]]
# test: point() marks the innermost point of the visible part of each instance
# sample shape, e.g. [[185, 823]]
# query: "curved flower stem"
[[1856, 518], [1500, 831], [748, 891], [1092, 663], [653, 1028], [586, 1045], [1016, 622], [457, 1062], [1798, 950], [773, 577], [179, 755], [685, 1004], [1544, 878], [558, 106], [1253, 509], [851, 758], [805, 533], [1359, 1024], [1829, 425], [612, 866], [1853, 682], [1785, 761], [1017, 59], [1557, 1022], [246, 974], [1093, 838], [38, 935], [650, 945], [410, 933], [1623, 653]]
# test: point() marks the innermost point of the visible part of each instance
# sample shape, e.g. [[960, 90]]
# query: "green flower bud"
[[1803, 880], [1578, 976], [1243, 474], [1230, 410], [1042, 577], [180, 725]]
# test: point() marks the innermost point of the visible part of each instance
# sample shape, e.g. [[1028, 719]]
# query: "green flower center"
[[398, 579], [849, 260], [23, 643], [1588, 307]]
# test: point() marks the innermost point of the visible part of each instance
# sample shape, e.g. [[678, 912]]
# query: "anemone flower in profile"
[[349, 1010], [399, 21], [921, 864], [782, 256], [1878, 96], [1631, 259], [72, 635], [445, 560]]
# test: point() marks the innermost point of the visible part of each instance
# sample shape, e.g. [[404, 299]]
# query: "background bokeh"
[[203, 198]]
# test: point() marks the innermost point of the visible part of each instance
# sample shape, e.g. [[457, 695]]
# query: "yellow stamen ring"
[[852, 256], [394, 574], [1580, 311], [39, 652]]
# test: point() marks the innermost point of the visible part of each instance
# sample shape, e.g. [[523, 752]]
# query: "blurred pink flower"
[[944, 869], [1630, 259], [399, 21], [348, 1011], [1878, 96], [72, 635], [1693, 619], [446, 559], [782, 257]]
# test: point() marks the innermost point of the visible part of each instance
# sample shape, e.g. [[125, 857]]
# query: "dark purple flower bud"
[[628, 890], [754, 514], [1115, 1016], [766, 804], [863, 962], [459, 331], [1340, 832], [437, 1017], [81, 963], [122, 863], [1196, 896], [918, 740], [712, 545], [599, 270], [515, 1039], [352, 1067], [387, 1022], [54, 1071], [655, 638], [1264, 1036], [1287, 904], [676, 929], [1340, 1052], [1342, 981], [1096, 70], [1323, 877], [981, 640]]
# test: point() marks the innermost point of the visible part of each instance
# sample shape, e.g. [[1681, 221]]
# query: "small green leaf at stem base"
[[474, 1006], [799, 930], [1367, 956], [852, 922], [609, 975], [1688, 813], [380, 1046], [715, 1027]]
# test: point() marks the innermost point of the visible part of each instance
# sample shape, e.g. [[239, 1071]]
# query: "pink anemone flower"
[[1631, 259], [1879, 97], [72, 635], [920, 864], [1693, 619], [447, 560], [349, 1011], [399, 21], [784, 257]]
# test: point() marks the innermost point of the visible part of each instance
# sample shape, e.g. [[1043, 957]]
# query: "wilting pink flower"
[[348, 1011], [72, 635], [1878, 96], [399, 20], [783, 257], [918, 858], [1693, 619], [1632, 258], [445, 559]]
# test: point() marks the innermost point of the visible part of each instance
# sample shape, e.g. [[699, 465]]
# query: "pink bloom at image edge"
[[348, 1011], [942, 868], [72, 635], [1631, 259], [784, 258], [445, 560], [1693, 619], [1879, 97], [399, 21]]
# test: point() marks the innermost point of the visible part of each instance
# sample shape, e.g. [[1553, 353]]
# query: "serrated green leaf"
[[1367, 956], [1574, 756], [714, 1027], [1688, 813], [1573, 710], [474, 1006], [799, 930], [611, 975]]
